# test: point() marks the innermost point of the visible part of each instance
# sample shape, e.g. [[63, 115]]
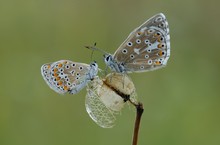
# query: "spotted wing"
[[65, 76], [147, 47], [97, 110]]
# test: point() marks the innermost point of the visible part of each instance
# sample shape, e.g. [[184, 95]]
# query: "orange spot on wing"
[[60, 83], [159, 39], [60, 65], [157, 62], [160, 45], [161, 53], [139, 33], [55, 74], [65, 88], [57, 78], [157, 34]]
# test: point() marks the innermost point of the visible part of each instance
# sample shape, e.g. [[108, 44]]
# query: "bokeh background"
[[181, 101]]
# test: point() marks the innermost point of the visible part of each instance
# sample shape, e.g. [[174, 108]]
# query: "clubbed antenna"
[[94, 48]]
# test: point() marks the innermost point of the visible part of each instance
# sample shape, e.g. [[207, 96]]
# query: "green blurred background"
[[181, 101]]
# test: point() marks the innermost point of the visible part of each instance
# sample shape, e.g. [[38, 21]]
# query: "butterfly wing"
[[98, 106], [65, 76], [147, 47]]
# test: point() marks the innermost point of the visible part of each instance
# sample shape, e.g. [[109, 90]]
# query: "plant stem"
[[139, 111]]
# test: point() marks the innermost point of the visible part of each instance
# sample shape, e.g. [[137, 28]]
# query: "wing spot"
[[157, 34], [139, 34], [160, 39], [161, 25], [150, 31], [161, 45], [146, 41], [73, 65], [149, 61], [132, 56], [72, 72], [146, 56], [124, 51], [67, 66], [161, 53], [157, 62], [138, 41], [159, 19], [129, 44]]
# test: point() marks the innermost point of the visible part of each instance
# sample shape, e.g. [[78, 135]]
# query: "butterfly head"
[[93, 69], [109, 61], [108, 58], [113, 64]]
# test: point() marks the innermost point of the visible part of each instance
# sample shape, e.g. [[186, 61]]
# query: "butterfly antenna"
[[91, 57], [96, 49], [102, 72]]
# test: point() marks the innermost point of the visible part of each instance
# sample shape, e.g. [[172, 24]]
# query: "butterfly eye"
[[108, 58], [94, 65]]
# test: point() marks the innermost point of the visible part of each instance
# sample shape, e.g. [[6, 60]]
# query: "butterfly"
[[105, 97], [146, 48], [67, 76]]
